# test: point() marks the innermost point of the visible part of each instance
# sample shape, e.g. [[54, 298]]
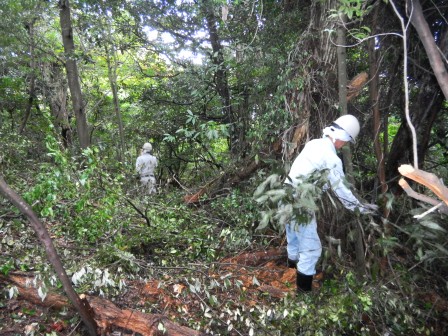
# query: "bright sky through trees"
[[186, 54]]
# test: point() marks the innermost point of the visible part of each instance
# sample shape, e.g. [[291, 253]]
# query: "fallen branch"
[[107, 315], [148, 222], [45, 239]]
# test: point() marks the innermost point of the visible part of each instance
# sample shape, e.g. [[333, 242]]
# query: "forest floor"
[[20, 316], [263, 278]]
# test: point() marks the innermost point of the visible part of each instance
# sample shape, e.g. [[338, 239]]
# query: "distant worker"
[[145, 165], [303, 243]]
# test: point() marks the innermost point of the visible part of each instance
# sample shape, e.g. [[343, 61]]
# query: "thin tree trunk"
[[45, 239], [346, 152], [112, 72], [72, 74], [32, 79], [375, 103], [342, 85]]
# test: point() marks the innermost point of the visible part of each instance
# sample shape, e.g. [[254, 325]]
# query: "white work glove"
[[369, 209]]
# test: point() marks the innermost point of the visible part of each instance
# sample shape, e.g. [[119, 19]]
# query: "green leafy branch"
[[282, 202]]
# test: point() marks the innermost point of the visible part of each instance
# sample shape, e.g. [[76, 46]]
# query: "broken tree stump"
[[429, 180]]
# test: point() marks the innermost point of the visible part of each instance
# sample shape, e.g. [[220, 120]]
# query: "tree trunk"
[[83, 309], [315, 44], [221, 76], [112, 72], [346, 152], [374, 93], [432, 50], [72, 74], [423, 114], [32, 79], [56, 86], [342, 85], [375, 103], [107, 314]]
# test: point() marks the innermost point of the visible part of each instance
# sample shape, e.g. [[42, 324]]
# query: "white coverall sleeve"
[[344, 194]]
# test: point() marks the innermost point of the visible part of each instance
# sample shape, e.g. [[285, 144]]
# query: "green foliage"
[[281, 202], [347, 306], [428, 238], [6, 267], [352, 8], [203, 132], [237, 202], [85, 199], [178, 232]]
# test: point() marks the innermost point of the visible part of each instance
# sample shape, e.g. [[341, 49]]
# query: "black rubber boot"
[[304, 282], [291, 263]]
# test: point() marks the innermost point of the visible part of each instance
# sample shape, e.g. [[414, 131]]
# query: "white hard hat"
[[147, 147], [349, 124]]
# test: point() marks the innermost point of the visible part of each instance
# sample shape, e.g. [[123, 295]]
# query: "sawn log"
[[107, 315]]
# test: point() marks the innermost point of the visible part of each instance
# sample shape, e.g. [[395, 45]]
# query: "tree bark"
[[56, 86], [374, 92], [434, 53], [107, 315], [342, 84], [32, 78], [44, 237], [423, 115], [72, 74], [112, 72], [221, 76], [375, 103]]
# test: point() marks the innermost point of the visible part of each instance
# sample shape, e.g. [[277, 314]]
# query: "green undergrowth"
[[108, 236]]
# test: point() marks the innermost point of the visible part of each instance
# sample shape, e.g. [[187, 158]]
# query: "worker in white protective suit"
[[303, 244], [145, 165]]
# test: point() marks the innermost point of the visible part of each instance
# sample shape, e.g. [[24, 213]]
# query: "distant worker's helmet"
[[349, 124], [147, 147]]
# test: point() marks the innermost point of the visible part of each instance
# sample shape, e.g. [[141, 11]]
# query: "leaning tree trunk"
[[438, 64], [72, 74], [45, 239]]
